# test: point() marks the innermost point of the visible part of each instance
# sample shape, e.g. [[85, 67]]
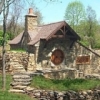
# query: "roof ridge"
[[52, 23]]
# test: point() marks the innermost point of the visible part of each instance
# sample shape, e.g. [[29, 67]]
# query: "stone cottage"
[[55, 47]]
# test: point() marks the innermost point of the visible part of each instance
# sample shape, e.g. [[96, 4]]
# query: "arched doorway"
[[57, 57]]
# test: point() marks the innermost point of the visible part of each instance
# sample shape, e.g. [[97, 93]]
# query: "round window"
[[57, 57]]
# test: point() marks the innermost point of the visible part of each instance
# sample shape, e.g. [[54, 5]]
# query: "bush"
[[1, 37]]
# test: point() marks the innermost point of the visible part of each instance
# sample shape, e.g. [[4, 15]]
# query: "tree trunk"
[[3, 51]]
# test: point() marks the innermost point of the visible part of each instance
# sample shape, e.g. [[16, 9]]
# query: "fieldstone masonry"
[[58, 95], [20, 82], [41, 62], [64, 95]]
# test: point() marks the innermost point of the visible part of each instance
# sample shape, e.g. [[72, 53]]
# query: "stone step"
[[20, 83], [28, 88], [16, 91], [21, 76], [18, 71], [19, 87], [22, 80]]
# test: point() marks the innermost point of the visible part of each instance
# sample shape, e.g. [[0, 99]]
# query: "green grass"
[[8, 81], [67, 84], [19, 50], [5, 95], [49, 84]]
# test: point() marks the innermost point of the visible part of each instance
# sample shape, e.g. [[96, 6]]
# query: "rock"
[[37, 94], [21, 76], [20, 83], [20, 87], [22, 80], [16, 91], [29, 89], [84, 92], [90, 92]]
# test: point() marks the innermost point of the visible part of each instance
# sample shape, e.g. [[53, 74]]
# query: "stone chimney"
[[30, 21]]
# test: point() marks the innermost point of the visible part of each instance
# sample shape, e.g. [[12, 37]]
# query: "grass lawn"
[[66, 84], [5, 95], [42, 83]]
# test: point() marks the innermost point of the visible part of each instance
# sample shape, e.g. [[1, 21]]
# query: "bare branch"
[[2, 4]]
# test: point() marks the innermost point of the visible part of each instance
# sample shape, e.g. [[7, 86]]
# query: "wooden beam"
[[57, 36], [62, 31], [88, 49], [70, 36]]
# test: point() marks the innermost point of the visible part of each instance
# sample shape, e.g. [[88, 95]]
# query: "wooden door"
[[57, 57]]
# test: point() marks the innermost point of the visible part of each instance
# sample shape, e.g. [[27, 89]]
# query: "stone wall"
[[65, 95], [41, 60], [94, 66], [70, 55], [21, 84], [19, 61]]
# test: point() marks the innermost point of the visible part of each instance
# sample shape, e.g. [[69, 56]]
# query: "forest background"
[[83, 19]]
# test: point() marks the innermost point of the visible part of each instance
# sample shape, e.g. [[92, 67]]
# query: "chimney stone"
[[30, 21]]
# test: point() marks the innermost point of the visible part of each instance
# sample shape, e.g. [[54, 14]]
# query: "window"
[[83, 60], [57, 57]]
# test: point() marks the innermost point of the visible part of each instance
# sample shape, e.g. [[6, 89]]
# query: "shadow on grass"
[[68, 82]]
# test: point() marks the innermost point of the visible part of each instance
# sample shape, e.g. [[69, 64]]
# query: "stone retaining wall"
[[65, 95], [21, 84], [61, 95], [19, 61]]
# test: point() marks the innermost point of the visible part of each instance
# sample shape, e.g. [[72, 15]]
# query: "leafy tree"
[[91, 24], [1, 37], [97, 36], [74, 13]]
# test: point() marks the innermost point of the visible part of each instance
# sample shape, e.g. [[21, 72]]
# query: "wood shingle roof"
[[43, 32]]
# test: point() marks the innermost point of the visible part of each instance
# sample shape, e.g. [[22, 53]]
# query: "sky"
[[54, 12]]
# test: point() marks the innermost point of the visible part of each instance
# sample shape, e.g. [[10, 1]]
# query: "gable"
[[59, 29], [53, 30]]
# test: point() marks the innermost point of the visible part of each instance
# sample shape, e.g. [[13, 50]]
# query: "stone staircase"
[[15, 67], [20, 82]]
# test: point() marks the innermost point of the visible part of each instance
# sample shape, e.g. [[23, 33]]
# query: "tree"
[[1, 37], [91, 24], [2, 3], [5, 9], [37, 11], [16, 20], [13, 25], [39, 17], [74, 14]]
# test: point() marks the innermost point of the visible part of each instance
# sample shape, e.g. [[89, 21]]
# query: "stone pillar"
[[31, 63]]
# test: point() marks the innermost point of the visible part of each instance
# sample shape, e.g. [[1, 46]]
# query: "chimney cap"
[[31, 12]]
